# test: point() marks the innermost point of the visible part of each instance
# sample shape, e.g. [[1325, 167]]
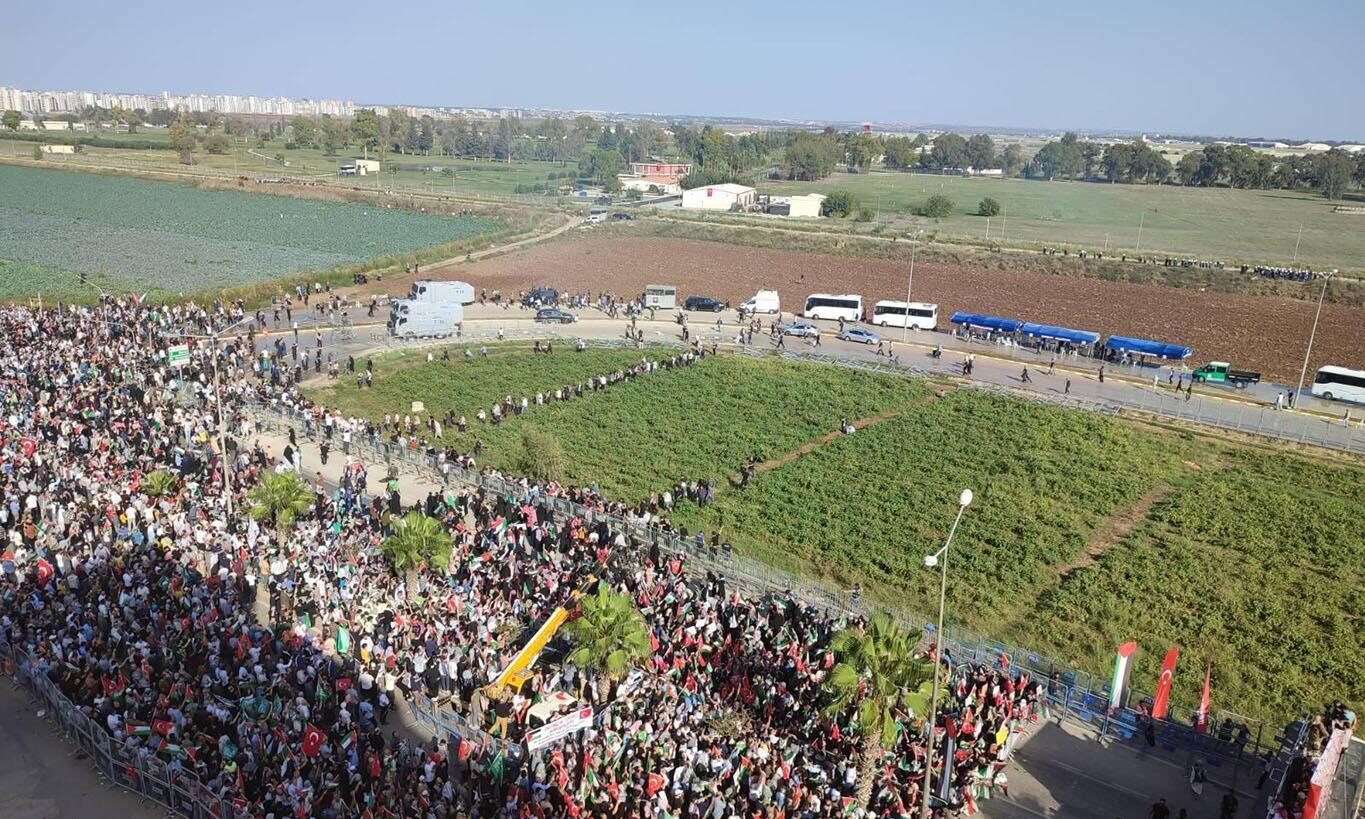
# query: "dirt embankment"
[[1257, 332]]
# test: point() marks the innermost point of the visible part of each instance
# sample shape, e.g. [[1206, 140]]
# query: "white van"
[[597, 215], [764, 301], [833, 307], [424, 321], [429, 291], [917, 315], [407, 307]]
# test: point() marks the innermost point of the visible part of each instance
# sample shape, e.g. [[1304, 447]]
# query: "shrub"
[[540, 455], [988, 207], [866, 215], [937, 207], [839, 203]]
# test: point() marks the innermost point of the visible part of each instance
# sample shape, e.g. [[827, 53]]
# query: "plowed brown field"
[[1255, 332]]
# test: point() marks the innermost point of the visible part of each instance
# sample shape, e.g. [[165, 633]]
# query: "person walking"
[[1052, 366], [1102, 381], [1279, 401], [1024, 379], [1067, 389]]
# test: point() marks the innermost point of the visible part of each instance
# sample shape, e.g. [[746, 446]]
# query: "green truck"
[[1221, 372]]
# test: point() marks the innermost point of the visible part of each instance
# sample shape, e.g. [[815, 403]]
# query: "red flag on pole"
[[312, 741], [1163, 686], [44, 572], [1201, 719]]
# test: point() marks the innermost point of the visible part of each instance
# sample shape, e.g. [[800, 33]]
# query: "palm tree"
[[879, 674], [609, 636], [280, 499], [158, 483], [417, 539]]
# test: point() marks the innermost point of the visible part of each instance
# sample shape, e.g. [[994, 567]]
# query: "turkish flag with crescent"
[[312, 740], [1162, 701], [44, 572]]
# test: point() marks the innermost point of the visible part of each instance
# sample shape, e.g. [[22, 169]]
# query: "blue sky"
[[1248, 68]]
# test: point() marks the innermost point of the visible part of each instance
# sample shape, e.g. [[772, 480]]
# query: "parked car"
[[800, 330], [859, 335], [553, 315], [622, 216], [703, 304]]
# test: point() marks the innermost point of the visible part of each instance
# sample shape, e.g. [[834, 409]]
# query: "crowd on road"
[[137, 596]]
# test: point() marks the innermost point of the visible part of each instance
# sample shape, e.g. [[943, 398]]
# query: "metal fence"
[[1075, 694], [177, 790]]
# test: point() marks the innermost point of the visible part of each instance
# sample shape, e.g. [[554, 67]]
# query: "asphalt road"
[[1145, 389], [41, 779]]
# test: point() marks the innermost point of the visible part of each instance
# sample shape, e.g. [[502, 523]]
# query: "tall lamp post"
[[909, 282], [1303, 373], [940, 557]]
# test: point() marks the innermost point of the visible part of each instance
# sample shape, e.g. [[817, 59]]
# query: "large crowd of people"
[[139, 600]]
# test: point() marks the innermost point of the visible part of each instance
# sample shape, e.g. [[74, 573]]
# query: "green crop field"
[[167, 237], [467, 385], [1086, 530], [1215, 223]]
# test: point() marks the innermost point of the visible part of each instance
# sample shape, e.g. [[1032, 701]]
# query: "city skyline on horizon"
[[285, 105]]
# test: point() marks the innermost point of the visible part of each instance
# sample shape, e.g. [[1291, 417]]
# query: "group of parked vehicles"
[[436, 309]]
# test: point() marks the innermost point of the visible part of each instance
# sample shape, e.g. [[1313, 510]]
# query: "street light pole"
[[964, 500], [1303, 373], [1296, 244], [909, 280]]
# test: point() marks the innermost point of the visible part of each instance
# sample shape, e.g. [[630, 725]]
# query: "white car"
[[800, 330]]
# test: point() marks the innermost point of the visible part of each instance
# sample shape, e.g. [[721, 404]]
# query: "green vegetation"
[[879, 674], [838, 204], [466, 385], [1209, 222], [937, 206], [988, 207], [1257, 566], [168, 237], [701, 422], [609, 636]]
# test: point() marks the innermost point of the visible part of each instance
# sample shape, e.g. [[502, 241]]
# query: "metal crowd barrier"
[[177, 790]]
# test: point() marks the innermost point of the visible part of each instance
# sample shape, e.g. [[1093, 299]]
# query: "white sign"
[[552, 732], [178, 356]]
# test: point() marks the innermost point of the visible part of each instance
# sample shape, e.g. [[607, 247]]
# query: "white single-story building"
[[359, 167], [56, 125], [666, 185], [801, 206], [728, 196]]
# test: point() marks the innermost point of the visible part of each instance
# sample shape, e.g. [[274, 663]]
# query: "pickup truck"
[[1221, 372]]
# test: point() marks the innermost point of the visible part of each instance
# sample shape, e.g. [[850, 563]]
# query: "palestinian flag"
[[137, 729], [349, 741], [499, 526]]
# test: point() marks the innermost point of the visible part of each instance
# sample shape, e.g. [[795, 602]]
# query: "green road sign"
[[178, 356]]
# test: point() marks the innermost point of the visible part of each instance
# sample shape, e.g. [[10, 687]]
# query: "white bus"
[[1340, 384], [830, 306], [917, 315]]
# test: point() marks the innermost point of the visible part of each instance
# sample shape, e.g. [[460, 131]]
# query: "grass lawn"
[[1086, 530], [1216, 223]]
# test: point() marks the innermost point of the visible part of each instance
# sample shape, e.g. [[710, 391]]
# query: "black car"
[[540, 296], [552, 315], [704, 304], [622, 216]]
